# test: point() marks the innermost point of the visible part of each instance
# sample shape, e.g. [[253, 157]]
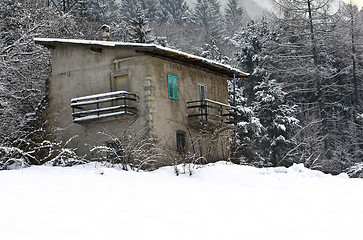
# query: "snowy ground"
[[222, 201]]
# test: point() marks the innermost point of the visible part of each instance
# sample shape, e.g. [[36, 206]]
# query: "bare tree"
[[132, 148], [307, 58]]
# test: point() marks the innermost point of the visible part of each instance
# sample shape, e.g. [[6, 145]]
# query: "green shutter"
[[173, 86]]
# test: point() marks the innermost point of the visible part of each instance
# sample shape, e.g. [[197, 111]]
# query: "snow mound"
[[218, 201], [303, 171]]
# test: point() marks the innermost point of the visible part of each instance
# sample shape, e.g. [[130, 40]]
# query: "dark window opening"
[[95, 49], [202, 92], [180, 143]]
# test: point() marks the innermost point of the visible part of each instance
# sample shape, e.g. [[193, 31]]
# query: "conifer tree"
[[245, 138], [234, 16], [139, 30], [129, 9], [174, 11], [207, 15], [211, 51], [278, 120], [93, 14], [251, 53], [272, 119]]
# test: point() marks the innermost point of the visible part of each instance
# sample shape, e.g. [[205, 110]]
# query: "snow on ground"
[[220, 201]]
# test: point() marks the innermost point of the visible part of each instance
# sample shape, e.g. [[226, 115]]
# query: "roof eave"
[[153, 50]]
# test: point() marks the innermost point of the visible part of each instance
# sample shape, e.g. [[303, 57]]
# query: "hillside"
[[253, 8]]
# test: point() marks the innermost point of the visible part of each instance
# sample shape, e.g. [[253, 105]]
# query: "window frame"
[[125, 85], [120, 72], [203, 110], [173, 86], [180, 142], [200, 86]]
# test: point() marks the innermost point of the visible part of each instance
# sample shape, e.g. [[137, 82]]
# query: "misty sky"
[[358, 2], [255, 8]]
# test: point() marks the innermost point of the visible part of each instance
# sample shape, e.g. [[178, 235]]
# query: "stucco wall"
[[77, 71], [170, 116]]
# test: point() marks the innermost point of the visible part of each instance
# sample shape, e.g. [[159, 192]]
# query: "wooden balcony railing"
[[210, 111], [99, 106]]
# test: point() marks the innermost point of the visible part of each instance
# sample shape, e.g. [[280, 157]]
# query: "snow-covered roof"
[[154, 50]]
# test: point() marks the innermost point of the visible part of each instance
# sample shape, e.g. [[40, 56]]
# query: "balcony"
[[104, 105], [210, 112]]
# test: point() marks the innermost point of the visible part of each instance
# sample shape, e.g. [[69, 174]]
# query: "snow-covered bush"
[[195, 153], [24, 69], [57, 153], [186, 163], [131, 155], [132, 149], [356, 171], [12, 157], [50, 153], [189, 161]]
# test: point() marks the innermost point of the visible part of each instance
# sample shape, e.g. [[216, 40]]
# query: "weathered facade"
[[100, 89]]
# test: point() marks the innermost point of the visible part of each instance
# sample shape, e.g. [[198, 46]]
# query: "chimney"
[[105, 32]]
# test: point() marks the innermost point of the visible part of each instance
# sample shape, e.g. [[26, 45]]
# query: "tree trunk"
[[318, 79], [355, 80]]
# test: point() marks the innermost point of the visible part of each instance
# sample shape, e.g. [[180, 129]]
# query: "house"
[[100, 89]]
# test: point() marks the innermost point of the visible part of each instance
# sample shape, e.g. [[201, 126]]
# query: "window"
[[180, 142], [121, 83], [173, 86], [202, 91]]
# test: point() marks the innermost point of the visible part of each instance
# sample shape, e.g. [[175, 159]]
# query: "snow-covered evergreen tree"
[[93, 14], [129, 9], [251, 54], [211, 51], [139, 30], [207, 14], [271, 116], [244, 139], [174, 11], [234, 15], [278, 120]]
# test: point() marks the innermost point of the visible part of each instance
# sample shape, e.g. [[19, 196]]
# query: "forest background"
[[301, 104]]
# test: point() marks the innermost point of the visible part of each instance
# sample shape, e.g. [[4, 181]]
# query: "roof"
[[154, 50]]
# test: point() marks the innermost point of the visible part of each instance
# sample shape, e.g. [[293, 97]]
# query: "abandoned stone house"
[[100, 89]]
